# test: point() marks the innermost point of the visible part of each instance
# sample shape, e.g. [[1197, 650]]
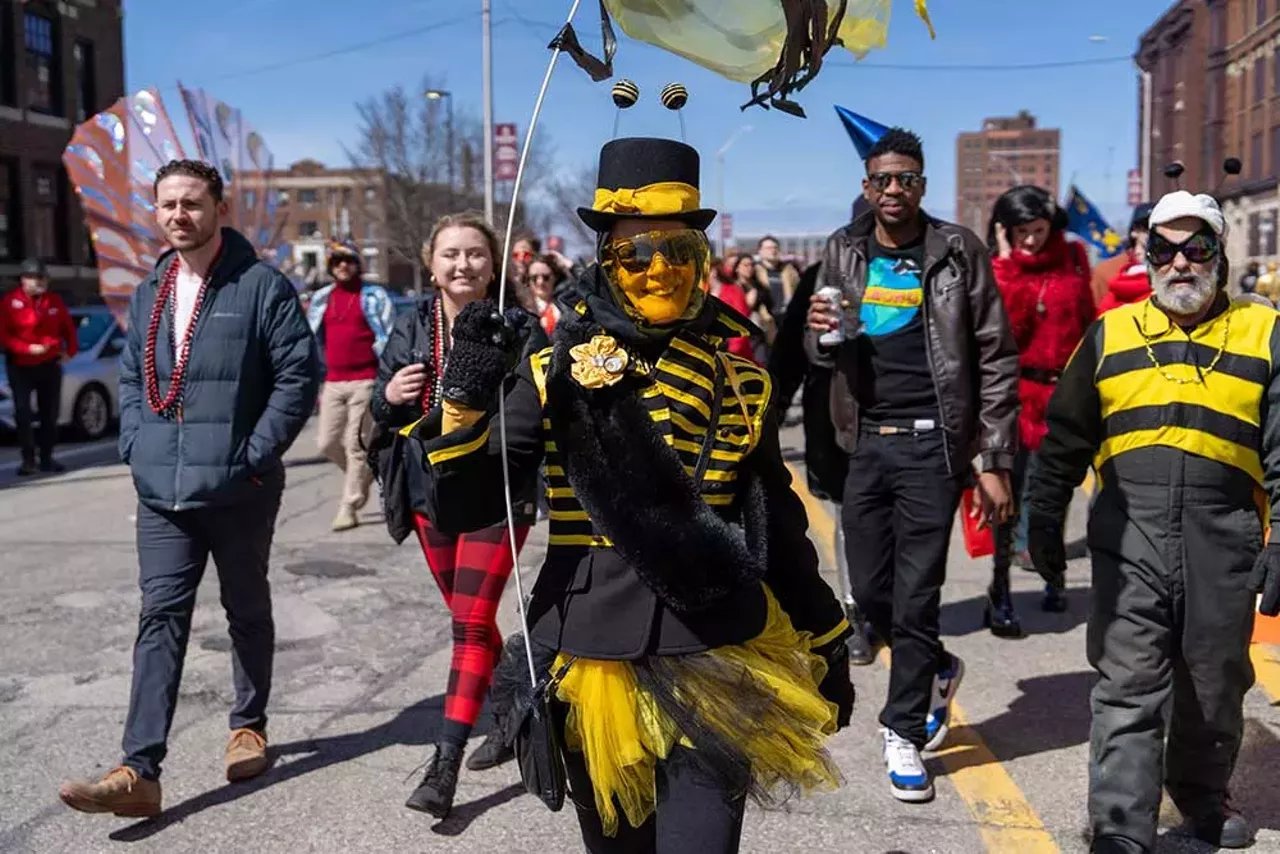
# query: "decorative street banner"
[[506, 152]]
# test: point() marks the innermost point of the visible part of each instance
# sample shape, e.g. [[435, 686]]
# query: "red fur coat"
[[1056, 278]]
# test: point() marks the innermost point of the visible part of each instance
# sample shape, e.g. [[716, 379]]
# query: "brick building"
[[60, 62], [1005, 153], [1250, 57]]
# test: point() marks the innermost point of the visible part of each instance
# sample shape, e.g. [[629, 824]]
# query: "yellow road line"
[[1006, 820], [1266, 666]]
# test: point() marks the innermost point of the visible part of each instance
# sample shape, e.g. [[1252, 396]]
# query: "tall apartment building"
[[1005, 153], [60, 62]]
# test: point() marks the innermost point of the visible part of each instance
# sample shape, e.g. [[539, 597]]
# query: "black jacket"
[[641, 560], [251, 385], [970, 345]]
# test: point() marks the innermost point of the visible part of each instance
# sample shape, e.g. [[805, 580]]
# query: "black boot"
[[1055, 597], [492, 752], [51, 466], [1224, 828], [998, 614], [435, 793], [861, 650], [27, 468]]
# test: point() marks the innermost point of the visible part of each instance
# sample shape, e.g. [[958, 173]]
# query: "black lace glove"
[[1048, 552], [1265, 579], [486, 346], [836, 686]]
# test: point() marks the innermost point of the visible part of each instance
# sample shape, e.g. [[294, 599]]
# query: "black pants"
[[694, 811], [1006, 534], [44, 382], [899, 506], [173, 548], [1169, 636]]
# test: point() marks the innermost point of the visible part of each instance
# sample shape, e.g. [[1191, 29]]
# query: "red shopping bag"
[[978, 542]]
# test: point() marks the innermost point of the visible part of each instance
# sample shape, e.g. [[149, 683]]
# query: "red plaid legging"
[[471, 570]]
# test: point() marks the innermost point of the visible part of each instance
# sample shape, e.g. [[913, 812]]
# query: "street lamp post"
[[733, 137], [437, 95], [487, 59]]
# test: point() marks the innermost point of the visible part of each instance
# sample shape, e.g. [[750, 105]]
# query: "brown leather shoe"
[[121, 792], [246, 754]]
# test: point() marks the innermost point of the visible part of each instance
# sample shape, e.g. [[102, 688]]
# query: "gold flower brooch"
[[598, 363]]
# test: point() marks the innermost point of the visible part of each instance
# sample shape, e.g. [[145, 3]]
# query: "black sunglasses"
[[881, 181], [1199, 248]]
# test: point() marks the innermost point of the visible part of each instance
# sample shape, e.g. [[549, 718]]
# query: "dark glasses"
[[1199, 248], [635, 254], [880, 181]]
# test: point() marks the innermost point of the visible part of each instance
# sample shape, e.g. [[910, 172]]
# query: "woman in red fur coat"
[[1044, 280]]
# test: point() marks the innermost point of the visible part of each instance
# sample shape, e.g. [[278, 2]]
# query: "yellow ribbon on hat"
[[664, 197]]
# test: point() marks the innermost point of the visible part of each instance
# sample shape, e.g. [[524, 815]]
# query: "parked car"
[[90, 380]]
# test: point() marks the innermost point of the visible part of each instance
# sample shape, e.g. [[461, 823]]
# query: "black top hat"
[[646, 178]]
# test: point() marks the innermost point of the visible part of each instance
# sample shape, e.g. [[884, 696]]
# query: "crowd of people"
[[687, 654]]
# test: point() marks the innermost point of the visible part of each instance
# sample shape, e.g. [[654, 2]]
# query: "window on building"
[[46, 221], [307, 197], [1262, 13], [86, 81], [1255, 234], [1269, 222], [1259, 82], [370, 195], [371, 230], [1218, 26], [371, 264], [9, 238], [41, 64], [308, 227], [1256, 165], [249, 199]]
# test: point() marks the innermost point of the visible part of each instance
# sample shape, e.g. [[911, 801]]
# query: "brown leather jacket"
[[969, 343]]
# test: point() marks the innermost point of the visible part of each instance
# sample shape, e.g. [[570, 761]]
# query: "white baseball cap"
[[1180, 204]]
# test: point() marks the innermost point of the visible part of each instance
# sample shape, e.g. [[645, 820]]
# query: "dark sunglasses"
[[635, 254], [880, 181], [1199, 248]]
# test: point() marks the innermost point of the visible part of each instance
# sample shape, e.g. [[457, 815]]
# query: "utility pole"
[[1146, 135], [487, 41]]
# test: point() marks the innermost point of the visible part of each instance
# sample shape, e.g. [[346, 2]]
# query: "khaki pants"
[[342, 405]]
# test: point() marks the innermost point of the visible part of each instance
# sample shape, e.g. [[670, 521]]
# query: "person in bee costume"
[[1175, 401], [705, 655]]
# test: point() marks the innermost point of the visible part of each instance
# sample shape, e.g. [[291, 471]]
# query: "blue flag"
[[1083, 219]]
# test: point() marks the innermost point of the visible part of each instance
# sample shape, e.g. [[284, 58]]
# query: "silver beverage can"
[[836, 336]]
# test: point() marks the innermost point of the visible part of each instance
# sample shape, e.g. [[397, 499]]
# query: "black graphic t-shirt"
[[895, 381]]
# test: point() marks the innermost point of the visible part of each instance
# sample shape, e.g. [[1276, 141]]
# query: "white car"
[[90, 380]]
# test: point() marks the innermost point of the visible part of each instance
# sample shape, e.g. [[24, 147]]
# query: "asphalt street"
[[363, 654]]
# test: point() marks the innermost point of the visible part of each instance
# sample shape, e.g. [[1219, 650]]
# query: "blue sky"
[[787, 174]]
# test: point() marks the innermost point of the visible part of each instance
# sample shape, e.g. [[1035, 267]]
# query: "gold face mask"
[[658, 272]]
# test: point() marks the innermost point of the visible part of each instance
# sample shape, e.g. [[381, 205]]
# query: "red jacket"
[[1126, 287], [27, 321], [1050, 305]]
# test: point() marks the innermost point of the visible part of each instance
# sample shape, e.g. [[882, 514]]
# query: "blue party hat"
[[864, 132]]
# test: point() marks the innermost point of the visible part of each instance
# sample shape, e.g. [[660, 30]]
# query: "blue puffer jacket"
[[251, 384]]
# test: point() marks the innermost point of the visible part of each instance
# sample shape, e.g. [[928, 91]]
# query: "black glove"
[[1265, 579], [1048, 552], [836, 686], [486, 346]]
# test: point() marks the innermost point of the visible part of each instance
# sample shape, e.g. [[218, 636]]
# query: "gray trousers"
[[1169, 637]]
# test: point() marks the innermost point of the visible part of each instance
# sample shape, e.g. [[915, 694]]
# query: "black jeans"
[[173, 548], [44, 382], [899, 505], [694, 812]]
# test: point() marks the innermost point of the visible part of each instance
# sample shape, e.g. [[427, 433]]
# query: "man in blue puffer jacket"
[[219, 376]]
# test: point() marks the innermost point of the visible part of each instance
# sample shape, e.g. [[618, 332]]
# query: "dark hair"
[[737, 262], [762, 241], [531, 240], [557, 275], [898, 141], [1022, 205], [191, 169]]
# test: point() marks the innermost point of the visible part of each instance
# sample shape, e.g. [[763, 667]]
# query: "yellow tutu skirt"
[[755, 705]]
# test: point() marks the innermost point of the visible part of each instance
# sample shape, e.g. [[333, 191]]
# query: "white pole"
[[733, 137], [486, 25], [1146, 136]]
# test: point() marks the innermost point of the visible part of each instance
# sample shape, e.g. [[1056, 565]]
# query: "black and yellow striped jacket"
[[588, 600], [1140, 387]]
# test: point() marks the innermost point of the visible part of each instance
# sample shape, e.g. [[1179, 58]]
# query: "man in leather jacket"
[[925, 382]]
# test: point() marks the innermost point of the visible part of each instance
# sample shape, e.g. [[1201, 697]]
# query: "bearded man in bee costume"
[[705, 656]]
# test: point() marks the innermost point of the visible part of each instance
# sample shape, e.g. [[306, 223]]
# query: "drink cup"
[[835, 336]]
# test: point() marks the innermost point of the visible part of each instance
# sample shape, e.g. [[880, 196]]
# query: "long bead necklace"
[[171, 404], [432, 394], [1201, 374]]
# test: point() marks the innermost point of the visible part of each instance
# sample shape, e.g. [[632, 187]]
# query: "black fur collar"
[[637, 492]]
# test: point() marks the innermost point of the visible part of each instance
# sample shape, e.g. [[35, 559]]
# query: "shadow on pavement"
[[418, 724], [462, 815], [1051, 713], [965, 616]]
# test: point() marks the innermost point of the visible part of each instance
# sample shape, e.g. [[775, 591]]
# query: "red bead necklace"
[[433, 391], [171, 404]]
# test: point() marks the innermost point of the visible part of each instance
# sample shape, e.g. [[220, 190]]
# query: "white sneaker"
[[908, 779], [945, 685]]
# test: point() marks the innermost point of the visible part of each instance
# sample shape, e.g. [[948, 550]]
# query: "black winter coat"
[[251, 385]]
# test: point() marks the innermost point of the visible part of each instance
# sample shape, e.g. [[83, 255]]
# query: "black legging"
[[694, 812]]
